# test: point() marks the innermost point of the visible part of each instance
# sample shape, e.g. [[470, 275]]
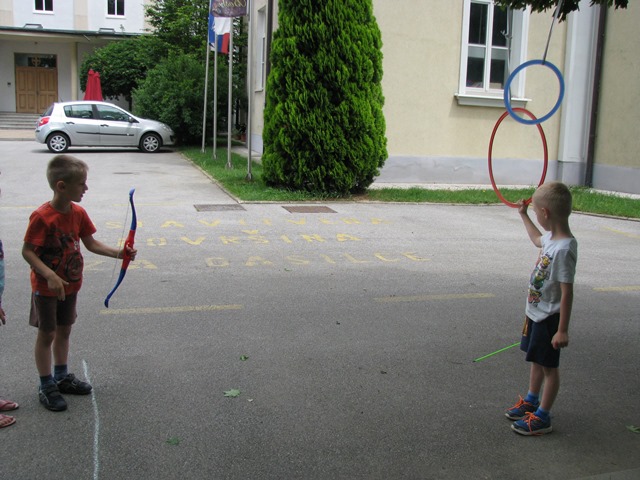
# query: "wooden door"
[[36, 89], [47, 88]]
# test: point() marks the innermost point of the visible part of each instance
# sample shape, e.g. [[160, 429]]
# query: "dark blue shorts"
[[536, 341]]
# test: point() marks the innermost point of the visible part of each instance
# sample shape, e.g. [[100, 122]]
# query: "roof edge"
[[111, 33]]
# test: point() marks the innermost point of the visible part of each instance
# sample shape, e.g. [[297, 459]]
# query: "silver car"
[[99, 124]]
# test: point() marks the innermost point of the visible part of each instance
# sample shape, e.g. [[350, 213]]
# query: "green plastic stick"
[[497, 351]]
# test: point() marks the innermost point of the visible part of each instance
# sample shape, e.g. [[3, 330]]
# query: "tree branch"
[[568, 6]]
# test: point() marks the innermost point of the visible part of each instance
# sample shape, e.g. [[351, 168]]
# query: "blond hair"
[[65, 168], [556, 197]]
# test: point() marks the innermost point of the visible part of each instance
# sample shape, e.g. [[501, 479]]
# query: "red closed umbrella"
[[93, 90]]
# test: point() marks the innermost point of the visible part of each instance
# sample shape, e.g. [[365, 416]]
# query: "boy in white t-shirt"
[[548, 308]]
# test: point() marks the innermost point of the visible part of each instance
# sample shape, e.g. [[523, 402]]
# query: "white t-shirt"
[[556, 264]]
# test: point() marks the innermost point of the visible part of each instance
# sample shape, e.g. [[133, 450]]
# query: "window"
[[78, 111], [111, 113], [44, 5], [115, 7], [35, 60], [487, 49], [493, 44], [261, 53]]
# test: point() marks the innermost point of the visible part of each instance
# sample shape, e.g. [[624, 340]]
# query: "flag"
[[228, 8], [219, 28]]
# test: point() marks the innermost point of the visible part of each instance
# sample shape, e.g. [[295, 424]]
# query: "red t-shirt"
[[56, 237]]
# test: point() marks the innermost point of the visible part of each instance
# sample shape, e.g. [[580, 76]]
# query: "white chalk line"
[[96, 423]]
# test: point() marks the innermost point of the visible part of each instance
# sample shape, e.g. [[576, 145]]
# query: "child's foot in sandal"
[[7, 405], [6, 420]]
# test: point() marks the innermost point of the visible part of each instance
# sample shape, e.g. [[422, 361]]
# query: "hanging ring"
[[507, 88], [545, 163]]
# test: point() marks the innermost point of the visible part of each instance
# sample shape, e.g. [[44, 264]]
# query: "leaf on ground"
[[633, 429], [173, 441], [232, 393], [244, 358]]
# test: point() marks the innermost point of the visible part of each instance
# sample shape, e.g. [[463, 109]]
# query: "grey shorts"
[[49, 312]]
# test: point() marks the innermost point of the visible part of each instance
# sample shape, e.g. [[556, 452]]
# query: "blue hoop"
[[507, 89]]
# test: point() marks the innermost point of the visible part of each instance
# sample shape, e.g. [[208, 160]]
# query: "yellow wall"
[[421, 48], [618, 128]]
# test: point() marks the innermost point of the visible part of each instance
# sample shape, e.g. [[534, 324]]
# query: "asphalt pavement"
[[311, 341]]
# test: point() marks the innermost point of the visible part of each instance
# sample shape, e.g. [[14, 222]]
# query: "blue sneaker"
[[520, 409], [531, 425]]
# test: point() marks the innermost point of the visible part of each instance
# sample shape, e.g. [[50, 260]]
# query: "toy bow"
[[128, 244]]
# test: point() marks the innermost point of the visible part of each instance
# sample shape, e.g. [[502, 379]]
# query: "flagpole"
[[249, 89], [215, 97], [229, 105], [206, 85]]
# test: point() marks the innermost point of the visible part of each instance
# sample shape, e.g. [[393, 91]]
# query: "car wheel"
[[58, 142], [150, 143]]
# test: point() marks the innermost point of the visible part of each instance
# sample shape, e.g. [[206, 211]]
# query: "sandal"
[[6, 420], [7, 405]]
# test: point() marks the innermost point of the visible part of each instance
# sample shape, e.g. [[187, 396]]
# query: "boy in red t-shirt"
[[52, 248]]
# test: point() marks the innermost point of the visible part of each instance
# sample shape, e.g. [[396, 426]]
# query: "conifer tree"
[[324, 130]]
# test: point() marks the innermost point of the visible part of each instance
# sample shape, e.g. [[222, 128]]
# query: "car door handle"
[[71, 123], [104, 125]]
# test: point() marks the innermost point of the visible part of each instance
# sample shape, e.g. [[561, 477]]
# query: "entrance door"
[[36, 88]]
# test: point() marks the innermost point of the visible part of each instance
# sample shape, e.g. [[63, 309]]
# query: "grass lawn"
[[235, 181]]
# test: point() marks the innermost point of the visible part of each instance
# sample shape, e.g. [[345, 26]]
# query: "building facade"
[[446, 65], [43, 44]]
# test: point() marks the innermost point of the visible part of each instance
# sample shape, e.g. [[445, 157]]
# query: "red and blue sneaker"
[[520, 409], [531, 424]]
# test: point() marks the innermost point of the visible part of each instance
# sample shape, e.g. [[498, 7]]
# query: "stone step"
[[18, 121]]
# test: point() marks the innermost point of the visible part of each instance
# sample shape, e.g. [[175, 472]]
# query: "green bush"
[[324, 127], [123, 64], [173, 93]]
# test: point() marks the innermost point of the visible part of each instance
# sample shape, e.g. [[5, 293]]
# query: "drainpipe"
[[595, 100]]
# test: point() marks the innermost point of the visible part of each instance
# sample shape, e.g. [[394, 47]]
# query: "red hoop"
[[544, 146]]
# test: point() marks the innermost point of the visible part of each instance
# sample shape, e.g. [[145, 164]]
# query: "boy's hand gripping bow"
[[128, 244]]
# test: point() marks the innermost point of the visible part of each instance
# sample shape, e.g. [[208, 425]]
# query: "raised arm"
[[534, 234]]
